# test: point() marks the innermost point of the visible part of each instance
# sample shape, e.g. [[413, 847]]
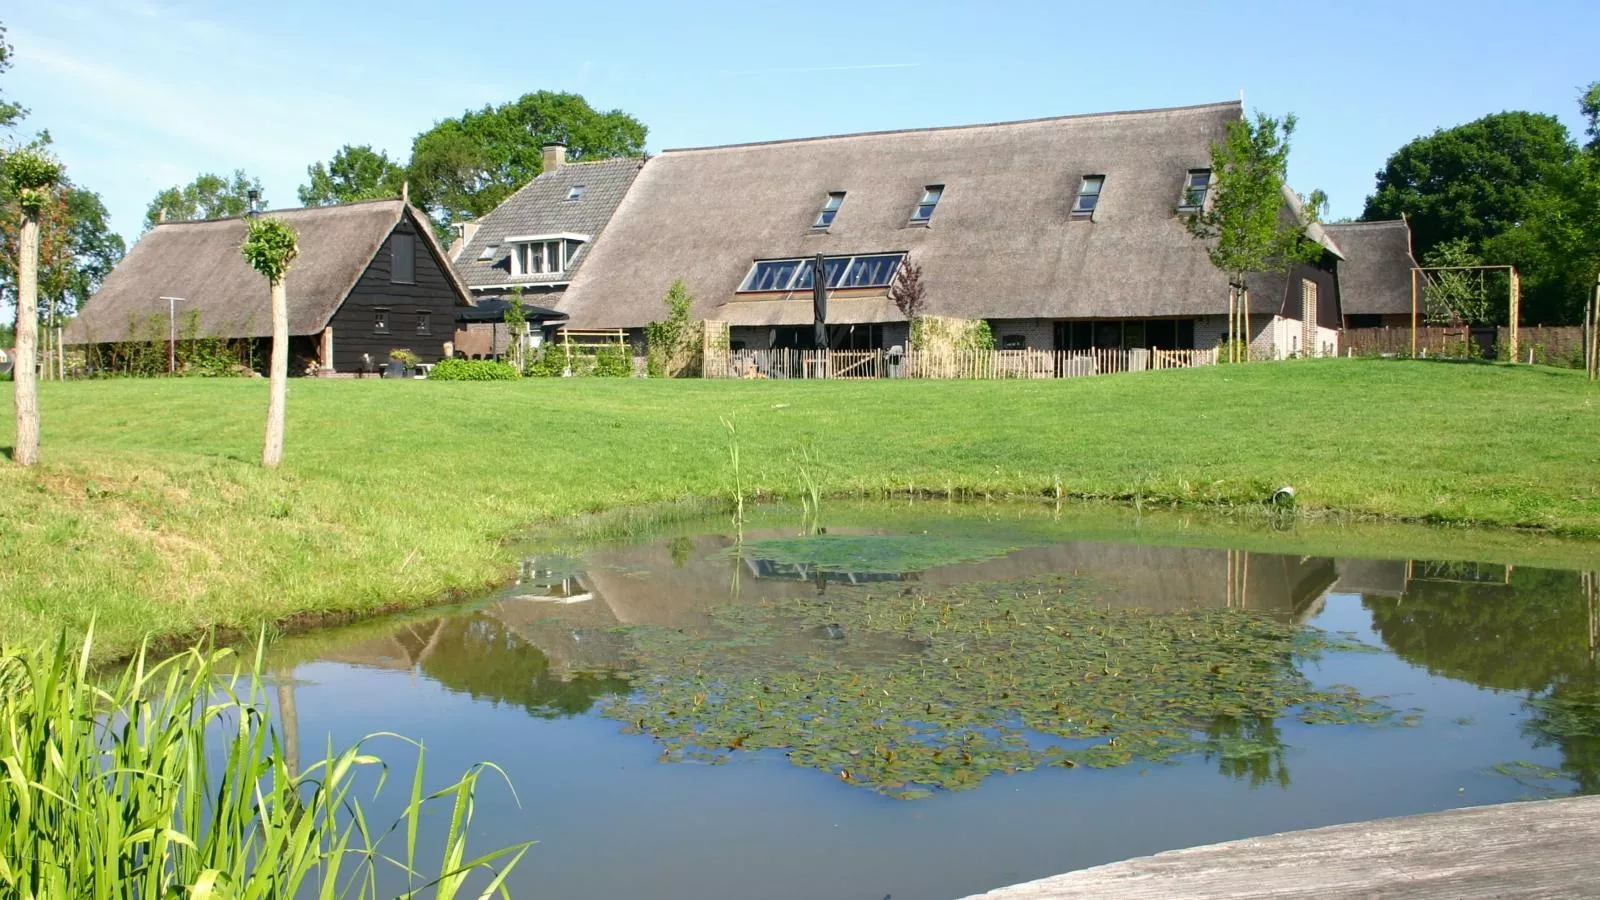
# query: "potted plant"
[[401, 361]]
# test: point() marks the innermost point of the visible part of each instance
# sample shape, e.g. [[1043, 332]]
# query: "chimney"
[[555, 156], [464, 234]]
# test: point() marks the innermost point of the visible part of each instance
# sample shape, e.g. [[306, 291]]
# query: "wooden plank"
[[1540, 849]]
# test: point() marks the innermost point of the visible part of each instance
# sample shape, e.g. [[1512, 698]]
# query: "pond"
[[931, 700]]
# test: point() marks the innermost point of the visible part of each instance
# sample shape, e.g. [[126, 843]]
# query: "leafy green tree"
[[1486, 182], [463, 167], [269, 247], [10, 113], [1243, 220], [209, 196], [1589, 105], [355, 173]]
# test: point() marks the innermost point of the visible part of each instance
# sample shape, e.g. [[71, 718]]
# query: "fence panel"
[[953, 364]]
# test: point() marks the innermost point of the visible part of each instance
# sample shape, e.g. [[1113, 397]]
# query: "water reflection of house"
[[679, 585]]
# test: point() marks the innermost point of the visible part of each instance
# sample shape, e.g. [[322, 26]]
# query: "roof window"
[[930, 199], [830, 208], [842, 272], [1196, 185], [1088, 196], [488, 252], [575, 192]]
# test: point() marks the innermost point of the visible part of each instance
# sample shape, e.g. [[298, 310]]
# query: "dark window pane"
[[924, 213], [380, 323], [1086, 203], [424, 323], [1185, 337], [1082, 338], [825, 218]]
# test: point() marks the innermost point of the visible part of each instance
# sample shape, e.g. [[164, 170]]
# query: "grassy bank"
[[151, 512]]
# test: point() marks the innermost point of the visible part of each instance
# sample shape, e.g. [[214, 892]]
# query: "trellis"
[[1428, 275]]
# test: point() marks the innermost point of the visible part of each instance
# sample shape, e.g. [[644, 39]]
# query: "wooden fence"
[[1558, 345], [973, 364]]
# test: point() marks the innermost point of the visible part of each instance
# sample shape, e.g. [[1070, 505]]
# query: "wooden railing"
[[957, 364]]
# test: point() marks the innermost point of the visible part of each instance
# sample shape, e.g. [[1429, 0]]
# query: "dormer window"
[[830, 208], [544, 254], [930, 199], [575, 192], [1196, 185], [1088, 196]]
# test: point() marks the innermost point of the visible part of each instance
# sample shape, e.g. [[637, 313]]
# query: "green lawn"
[[151, 513]]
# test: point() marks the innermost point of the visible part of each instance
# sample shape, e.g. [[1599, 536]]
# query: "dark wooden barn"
[[370, 278]]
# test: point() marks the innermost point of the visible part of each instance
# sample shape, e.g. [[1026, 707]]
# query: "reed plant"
[[169, 779]]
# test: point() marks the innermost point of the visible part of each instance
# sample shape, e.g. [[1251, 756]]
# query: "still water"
[[932, 701]]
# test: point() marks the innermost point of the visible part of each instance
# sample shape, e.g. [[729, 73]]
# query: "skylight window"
[[1088, 196], [488, 252], [575, 192], [930, 199], [830, 209], [842, 272], [1195, 188]]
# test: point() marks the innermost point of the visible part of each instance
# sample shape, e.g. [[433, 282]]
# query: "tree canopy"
[[1492, 183], [77, 248], [209, 196], [10, 113], [462, 168], [355, 173], [1243, 220]]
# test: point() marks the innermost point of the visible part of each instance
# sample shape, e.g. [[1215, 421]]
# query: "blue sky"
[[143, 94]]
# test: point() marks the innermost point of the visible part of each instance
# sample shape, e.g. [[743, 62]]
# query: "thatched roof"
[[1375, 277], [541, 207], [1000, 244], [200, 262]]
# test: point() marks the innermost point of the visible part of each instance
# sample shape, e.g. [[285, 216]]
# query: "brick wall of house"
[[1039, 334]]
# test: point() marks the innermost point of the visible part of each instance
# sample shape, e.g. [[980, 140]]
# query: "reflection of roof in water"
[[781, 571]]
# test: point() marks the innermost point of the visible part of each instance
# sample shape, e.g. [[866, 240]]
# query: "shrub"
[[472, 370], [614, 361]]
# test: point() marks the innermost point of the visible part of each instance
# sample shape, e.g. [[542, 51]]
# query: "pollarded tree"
[[32, 177], [269, 247], [1242, 220]]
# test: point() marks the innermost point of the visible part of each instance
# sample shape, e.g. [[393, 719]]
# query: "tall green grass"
[[170, 780]]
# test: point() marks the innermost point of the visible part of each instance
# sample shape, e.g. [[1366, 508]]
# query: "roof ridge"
[[279, 211], [1033, 121], [1368, 222]]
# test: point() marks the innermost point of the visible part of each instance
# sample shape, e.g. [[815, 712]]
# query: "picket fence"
[[960, 364]]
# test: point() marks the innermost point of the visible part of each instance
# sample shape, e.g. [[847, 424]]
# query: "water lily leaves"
[[934, 690]]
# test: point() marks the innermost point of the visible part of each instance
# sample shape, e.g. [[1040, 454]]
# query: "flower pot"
[[394, 369]]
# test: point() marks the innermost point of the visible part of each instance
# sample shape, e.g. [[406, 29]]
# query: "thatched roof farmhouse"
[[1063, 233], [370, 278], [1375, 278]]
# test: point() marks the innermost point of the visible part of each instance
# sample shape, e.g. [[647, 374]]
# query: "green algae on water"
[[910, 691]]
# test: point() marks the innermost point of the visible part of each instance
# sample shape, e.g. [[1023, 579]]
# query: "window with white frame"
[[876, 270], [549, 257], [1088, 196], [575, 192], [1196, 185]]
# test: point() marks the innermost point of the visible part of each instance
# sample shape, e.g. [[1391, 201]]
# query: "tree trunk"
[[25, 373], [272, 453]]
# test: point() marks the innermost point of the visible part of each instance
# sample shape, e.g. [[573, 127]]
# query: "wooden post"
[[1244, 302], [278, 373], [327, 349], [1516, 309], [1413, 313], [25, 372], [1233, 331]]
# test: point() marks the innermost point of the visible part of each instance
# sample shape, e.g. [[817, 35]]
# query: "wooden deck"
[[1540, 849]]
